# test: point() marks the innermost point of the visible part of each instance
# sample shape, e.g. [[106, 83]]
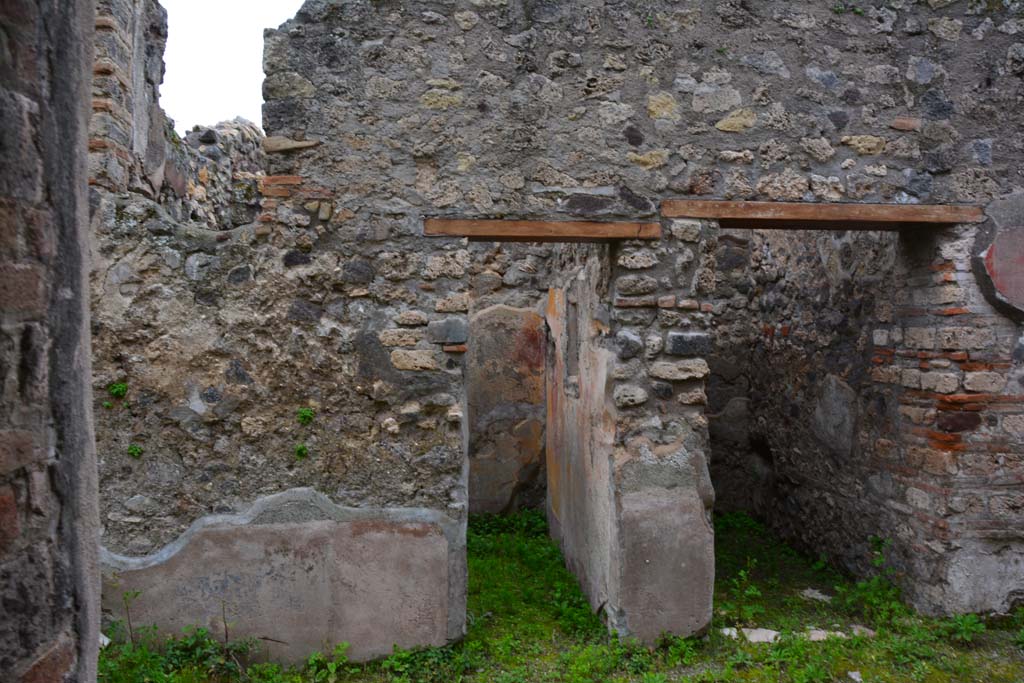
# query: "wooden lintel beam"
[[497, 230], [823, 216], [852, 225]]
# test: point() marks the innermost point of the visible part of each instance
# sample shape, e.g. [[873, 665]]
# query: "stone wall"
[[793, 411], [863, 386], [412, 111], [629, 496], [227, 299], [48, 567]]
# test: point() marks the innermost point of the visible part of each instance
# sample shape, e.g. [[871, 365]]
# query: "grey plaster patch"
[[835, 415]]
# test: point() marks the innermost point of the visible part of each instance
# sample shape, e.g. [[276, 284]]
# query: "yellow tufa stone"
[[656, 158], [437, 98], [737, 121], [277, 144], [663, 105], [693, 368], [444, 84], [400, 337], [864, 145], [414, 360]]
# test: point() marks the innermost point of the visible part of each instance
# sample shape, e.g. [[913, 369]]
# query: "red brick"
[[312, 192], [275, 191], [958, 421], [281, 180], [636, 302], [949, 355], [53, 665], [10, 526], [21, 289], [979, 398], [39, 233], [905, 123], [689, 304], [976, 366]]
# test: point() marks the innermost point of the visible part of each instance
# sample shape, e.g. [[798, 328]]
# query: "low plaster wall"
[[303, 575]]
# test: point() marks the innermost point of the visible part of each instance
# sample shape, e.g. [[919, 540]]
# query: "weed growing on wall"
[[528, 622]]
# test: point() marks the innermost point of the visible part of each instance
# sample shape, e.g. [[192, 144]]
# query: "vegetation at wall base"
[[528, 622]]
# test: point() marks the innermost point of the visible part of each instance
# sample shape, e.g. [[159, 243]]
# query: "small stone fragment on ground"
[[765, 635], [815, 594], [753, 635]]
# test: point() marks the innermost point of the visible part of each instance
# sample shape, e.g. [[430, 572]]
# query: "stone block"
[[886, 374], [448, 331], [411, 318], [639, 259], [400, 337], [1014, 424], [629, 344], [918, 498], [416, 360], [628, 396], [910, 378], [939, 382], [633, 285], [453, 303], [688, 344], [919, 337], [668, 564], [965, 338], [679, 370], [686, 230], [990, 382], [692, 397]]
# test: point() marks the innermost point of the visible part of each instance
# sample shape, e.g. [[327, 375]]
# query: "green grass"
[[528, 622]]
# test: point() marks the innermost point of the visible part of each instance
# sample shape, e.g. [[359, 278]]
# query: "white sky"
[[215, 58]]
